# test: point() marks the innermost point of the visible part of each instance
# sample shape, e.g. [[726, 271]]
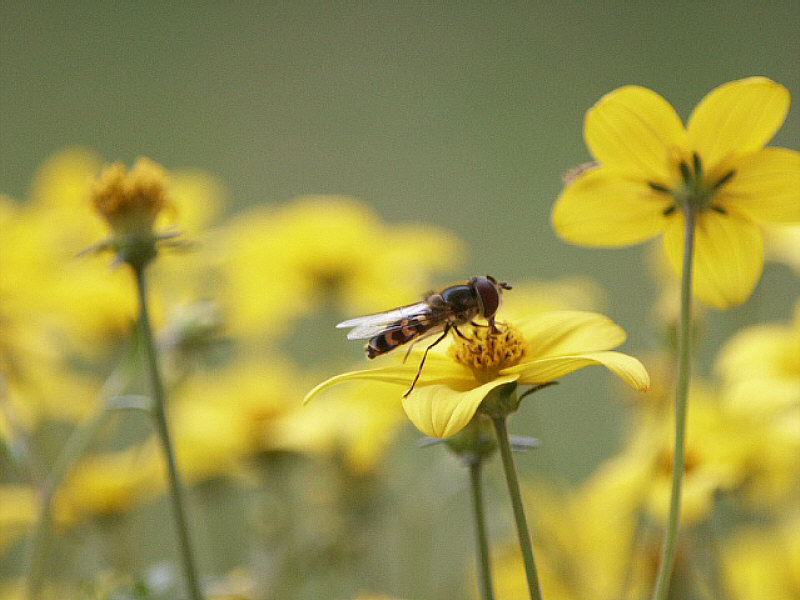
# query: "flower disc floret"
[[486, 352], [131, 201]]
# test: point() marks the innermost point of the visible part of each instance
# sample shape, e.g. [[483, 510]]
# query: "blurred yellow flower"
[[764, 563], [111, 483], [585, 543], [19, 512], [723, 452], [761, 365], [358, 422], [459, 375], [783, 245], [651, 168], [323, 250], [130, 200], [87, 300], [220, 417]]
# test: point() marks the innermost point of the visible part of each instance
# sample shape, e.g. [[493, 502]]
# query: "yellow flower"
[[92, 304], [651, 168], [761, 365], [459, 376], [319, 251], [130, 202], [586, 542], [358, 422], [727, 451], [764, 564], [222, 416], [113, 482]]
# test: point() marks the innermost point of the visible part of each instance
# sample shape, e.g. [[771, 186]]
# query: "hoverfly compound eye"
[[488, 292]]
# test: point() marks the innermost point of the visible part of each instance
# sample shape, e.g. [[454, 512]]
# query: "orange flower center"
[[131, 201], [485, 350]]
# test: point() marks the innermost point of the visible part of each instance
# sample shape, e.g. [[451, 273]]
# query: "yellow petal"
[[394, 375], [737, 118], [634, 131], [604, 209], [627, 368], [762, 351], [766, 186], [441, 411], [569, 332], [729, 256], [437, 370]]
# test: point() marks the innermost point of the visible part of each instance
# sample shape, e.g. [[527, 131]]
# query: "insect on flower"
[[438, 312]]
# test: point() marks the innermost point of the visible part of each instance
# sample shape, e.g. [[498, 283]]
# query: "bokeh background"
[[463, 115]]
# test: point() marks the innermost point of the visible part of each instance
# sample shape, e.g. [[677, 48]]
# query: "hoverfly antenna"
[[502, 284]]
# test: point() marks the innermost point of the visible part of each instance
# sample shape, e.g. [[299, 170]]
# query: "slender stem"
[[669, 546], [484, 569], [159, 414], [516, 503]]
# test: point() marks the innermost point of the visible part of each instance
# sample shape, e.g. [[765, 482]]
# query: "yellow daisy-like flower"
[[763, 563], [761, 366], [283, 263], [651, 169], [457, 378]]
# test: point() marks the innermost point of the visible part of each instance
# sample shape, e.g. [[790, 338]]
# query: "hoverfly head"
[[489, 293]]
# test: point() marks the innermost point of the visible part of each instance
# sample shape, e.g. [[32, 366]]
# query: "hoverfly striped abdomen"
[[397, 334]]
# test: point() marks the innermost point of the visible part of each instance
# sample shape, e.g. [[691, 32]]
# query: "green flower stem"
[[504, 445], [159, 414], [669, 546], [484, 569]]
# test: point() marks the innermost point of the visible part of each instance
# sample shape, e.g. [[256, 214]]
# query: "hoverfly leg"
[[461, 335], [495, 329], [410, 346], [424, 356]]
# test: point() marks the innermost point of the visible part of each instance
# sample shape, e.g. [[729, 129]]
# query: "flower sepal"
[[501, 401], [473, 444]]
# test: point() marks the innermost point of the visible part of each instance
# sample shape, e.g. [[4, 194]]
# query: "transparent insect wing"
[[371, 325]]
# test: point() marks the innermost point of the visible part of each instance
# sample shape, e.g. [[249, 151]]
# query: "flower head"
[[460, 376], [651, 170], [130, 202], [761, 366], [323, 251]]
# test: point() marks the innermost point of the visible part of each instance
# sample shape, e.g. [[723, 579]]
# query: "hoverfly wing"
[[371, 325]]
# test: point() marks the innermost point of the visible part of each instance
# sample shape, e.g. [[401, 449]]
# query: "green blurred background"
[[462, 114]]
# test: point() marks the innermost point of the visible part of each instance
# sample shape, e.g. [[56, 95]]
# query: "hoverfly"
[[438, 312]]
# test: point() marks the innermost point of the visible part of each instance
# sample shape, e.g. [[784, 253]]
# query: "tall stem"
[[484, 569], [516, 503], [159, 414], [669, 546]]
